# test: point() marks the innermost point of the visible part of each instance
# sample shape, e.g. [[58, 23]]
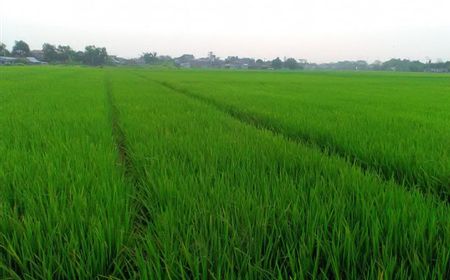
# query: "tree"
[[61, 54], [50, 53], [277, 63], [232, 59], [377, 65], [21, 49], [291, 64], [3, 50], [78, 56], [65, 53], [150, 58], [403, 65], [361, 65], [95, 56]]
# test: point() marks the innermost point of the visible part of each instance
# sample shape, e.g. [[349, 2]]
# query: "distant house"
[[185, 58], [184, 61], [38, 54], [234, 62], [118, 60], [33, 60], [203, 62], [438, 70], [185, 65], [114, 60], [6, 60]]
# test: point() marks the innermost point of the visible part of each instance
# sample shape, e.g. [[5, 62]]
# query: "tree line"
[[91, 55], [402, 65], [95, 56]]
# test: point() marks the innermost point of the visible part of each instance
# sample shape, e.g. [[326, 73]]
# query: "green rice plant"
[[227, 200], [64, 204], [125, 173], [394, 124]]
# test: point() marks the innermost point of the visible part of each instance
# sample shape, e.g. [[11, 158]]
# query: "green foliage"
[[291, 64], [403, 65], [64, 211], [66, 54], [21, 49], [50, 53], [95, 56], [395, 124], [351, 65], [224, 198], [61, 54], [150, 58], [277, 63], [3, 50], [160, 174]]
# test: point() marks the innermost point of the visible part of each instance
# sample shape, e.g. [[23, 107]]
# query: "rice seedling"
[[394, 124], [125, 173], [228, 200], [64, 204]]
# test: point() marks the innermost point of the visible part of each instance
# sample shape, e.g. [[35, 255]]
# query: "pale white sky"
[[318, 30]]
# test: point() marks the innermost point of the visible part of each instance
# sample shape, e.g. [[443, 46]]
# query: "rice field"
[[127, 173]]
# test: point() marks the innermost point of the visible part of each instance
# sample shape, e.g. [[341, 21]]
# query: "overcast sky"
[[318, 30]]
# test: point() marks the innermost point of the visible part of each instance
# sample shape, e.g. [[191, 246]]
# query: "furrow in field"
[[395, 124], [232, 201], [125, 159], [142, 216], [263, 122], [118, 134], [64, 208]]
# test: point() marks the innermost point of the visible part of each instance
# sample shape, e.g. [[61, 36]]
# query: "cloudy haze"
[[320, 30]]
